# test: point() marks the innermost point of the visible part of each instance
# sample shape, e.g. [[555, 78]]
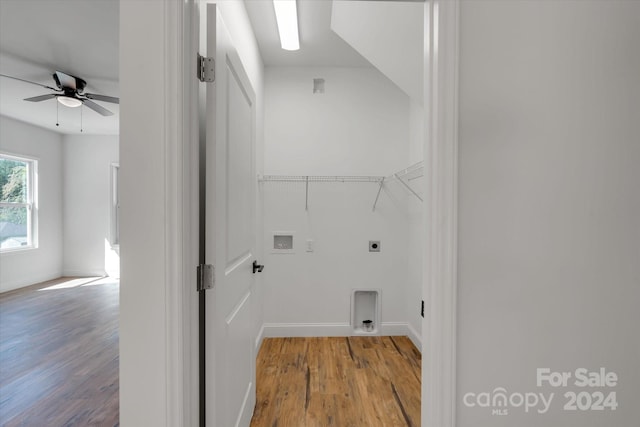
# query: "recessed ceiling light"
[[69, 101], [287, 18]]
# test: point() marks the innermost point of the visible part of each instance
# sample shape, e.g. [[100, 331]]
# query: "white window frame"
[[31, 204], [114, 206]]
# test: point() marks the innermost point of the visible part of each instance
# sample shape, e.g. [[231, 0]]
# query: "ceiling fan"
[[70, 92]]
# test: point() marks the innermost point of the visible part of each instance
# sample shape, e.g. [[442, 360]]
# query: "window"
[[17, 203]]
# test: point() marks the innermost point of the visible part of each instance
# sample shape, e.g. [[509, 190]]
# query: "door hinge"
[[206, 69], [206, 277], [422, 309]]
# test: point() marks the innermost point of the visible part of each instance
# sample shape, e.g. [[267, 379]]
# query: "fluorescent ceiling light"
[[69, 102], [287, 18]]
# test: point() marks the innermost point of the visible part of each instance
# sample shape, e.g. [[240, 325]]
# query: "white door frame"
[[179, 190], [183, 199], [158, 349], [441, 171]]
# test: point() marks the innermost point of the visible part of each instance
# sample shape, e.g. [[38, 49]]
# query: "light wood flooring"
[[59, 354], [343, 382]]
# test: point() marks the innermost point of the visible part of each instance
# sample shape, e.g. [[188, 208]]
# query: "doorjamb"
[[191, 188], [180, 218], [441, 172], [181, 213]]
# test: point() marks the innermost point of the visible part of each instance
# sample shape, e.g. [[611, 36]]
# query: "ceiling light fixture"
[[287, 18], [69, 101]]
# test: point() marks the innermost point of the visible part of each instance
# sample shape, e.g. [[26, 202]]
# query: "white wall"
[[88, 249], [359, 126], [549, 204], [23, 268]]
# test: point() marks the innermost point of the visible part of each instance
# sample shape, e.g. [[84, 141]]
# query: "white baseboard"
[[394, 328], [415, 337], [84, 273], [259, 339], [281, 330], [25, 281]]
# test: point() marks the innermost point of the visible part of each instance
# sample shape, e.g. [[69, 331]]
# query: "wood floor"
[[59, 367], [342, 382], [59, 354]]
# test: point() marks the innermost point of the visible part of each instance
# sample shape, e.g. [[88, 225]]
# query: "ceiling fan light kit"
[[68, 101], [69, 91]]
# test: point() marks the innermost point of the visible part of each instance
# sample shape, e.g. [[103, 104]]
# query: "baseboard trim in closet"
[[415, 337], [280, 330], [394, 328]]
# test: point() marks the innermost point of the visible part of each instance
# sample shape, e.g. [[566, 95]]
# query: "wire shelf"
[[319, 178], [412, 172]]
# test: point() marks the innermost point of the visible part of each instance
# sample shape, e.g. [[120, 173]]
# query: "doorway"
[[357, 180]]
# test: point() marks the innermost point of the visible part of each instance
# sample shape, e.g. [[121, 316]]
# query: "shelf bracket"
[[407, 186], [378, 195]]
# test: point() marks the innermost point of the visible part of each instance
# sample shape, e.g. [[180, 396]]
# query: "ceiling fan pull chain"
[[81, 108], [57, 114]]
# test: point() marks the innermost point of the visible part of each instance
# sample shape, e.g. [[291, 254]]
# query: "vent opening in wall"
[[318, 85]]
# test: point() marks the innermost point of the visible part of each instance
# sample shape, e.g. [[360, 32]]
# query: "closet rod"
[[318, 178], [322, 178]]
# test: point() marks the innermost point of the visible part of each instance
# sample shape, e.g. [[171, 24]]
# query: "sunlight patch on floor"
[[73, 282], [103, 281]]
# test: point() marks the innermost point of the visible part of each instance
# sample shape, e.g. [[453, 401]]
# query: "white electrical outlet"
[[309, 245]]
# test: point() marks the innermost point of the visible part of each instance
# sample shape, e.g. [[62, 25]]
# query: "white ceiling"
[[389, 34], [319, 45], [78, 37]]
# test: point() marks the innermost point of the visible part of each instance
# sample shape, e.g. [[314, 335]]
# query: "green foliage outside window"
[[13, 188], [13, 181]]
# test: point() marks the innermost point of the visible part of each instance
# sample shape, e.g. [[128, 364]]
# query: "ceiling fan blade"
[[104, 98], [66, 80], [33, 83], [97, 108], [41, 97]]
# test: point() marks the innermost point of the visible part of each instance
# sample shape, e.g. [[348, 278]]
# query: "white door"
[[229, 232]]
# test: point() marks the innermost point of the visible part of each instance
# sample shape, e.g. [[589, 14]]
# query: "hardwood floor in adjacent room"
[[59, 354], [343, 382]]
